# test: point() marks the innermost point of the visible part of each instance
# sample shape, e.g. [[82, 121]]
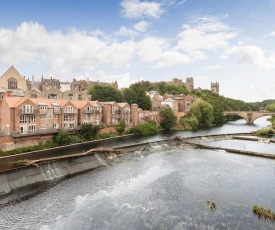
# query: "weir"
[[46, 169]]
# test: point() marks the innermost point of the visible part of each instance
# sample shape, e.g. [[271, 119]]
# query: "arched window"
[[12, 83]]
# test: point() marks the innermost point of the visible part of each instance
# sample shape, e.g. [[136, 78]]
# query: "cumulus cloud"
[[160, 53], [253, 55], [141, 26], [137, 9], [123, 31], [63, 52], [206, 33]]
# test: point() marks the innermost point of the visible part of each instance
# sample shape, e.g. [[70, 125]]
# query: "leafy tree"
[[105, 93], [145, 128], [271, 107], [189, 122], [120, 128], [89, 131], [62, 138], [203, 111], [164, 87], [168, 119], [137, 94]]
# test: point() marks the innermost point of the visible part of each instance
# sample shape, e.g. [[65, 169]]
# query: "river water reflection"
[[166, 189]]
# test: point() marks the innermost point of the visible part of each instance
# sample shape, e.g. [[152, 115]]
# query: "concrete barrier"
[[20, 177]]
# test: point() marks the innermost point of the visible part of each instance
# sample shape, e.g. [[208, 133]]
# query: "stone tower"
[[189, 83], [215, 87]]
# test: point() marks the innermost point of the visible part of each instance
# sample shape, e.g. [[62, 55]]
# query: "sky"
[[230, 41]]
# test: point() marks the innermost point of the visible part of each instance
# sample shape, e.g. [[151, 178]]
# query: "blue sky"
[[230, 41]]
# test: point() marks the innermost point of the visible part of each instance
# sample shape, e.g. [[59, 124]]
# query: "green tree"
[[168, 119], [203, 111], [105, 93], [271, 107], [89, 131], [164, 87], [145, 128], [137, 94], [120, 128], [62, 138], [189, 122]]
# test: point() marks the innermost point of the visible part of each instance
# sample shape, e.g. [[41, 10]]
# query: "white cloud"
[[123, 31], [253, 55], [138, 9], [206, 34], [141, 26], [160, 53], [62, 52], [272, 34], [181, 2]]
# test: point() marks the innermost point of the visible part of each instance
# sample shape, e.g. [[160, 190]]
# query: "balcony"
[[70, 111], [27, 111], [56, 111], [44, 111], [88, 111]]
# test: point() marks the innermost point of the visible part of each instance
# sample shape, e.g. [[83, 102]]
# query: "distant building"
[[215, 87], [189, 83], [48, 88]]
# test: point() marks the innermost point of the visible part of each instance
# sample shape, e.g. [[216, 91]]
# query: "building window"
[[43, 126], [66, 117], [43, 107], [23, 119], [32, 129], [32, 118], [52, 96], [23, 129], [12, 83], [70, 96], [33, 95], [55, 126]]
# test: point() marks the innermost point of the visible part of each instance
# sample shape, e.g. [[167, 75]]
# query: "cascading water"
[[156, 187]]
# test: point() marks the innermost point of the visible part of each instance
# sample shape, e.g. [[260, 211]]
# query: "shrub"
[[265, 131], [145, 128]]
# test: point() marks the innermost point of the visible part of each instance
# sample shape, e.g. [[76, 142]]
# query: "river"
[[166, 189]]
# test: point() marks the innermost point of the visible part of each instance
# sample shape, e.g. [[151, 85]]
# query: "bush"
[[120, 128], [89, 132], [265, 131], [189, 123], [145, 128]]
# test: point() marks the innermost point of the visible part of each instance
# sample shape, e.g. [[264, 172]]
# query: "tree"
[[271, 107], [146, 128], [203, 111], [137, 94], [105, 93], [168, 119], [164, 87], [62, 138], [189, 122], [89, 131], [120, 128]]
